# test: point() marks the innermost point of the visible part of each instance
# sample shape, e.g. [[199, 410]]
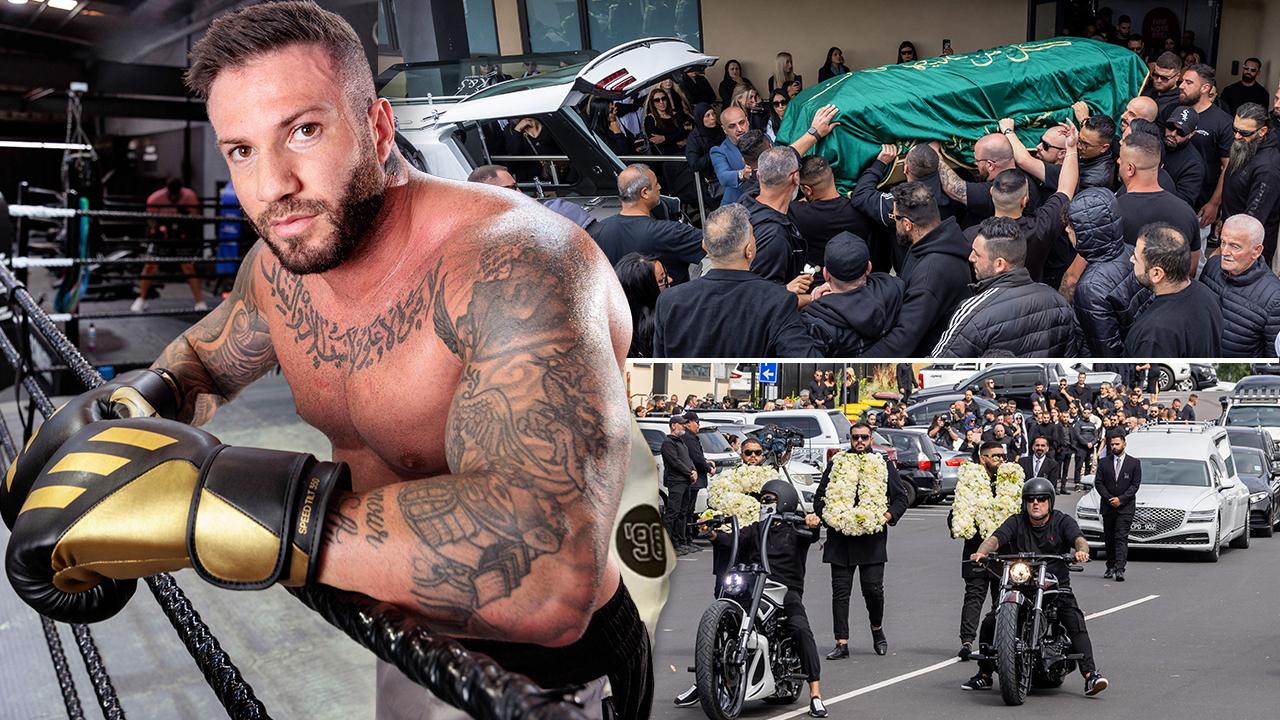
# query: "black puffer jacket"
[[1250, 308], [846, 324], [1107, 297], [1011, 313]]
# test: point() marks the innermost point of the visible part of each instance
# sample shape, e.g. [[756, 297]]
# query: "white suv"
[[1190, 498]]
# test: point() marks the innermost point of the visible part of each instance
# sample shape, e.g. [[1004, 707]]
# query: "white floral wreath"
[[863, 477], [976, 508], [730, 492]]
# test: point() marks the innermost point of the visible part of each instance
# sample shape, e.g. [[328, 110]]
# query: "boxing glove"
[[140, 393], [124, 499]]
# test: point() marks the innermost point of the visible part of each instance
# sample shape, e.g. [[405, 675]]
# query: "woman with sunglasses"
[[778, 102], [665, 126]]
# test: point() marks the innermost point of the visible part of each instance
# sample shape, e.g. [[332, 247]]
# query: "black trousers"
[[1072, 619], [1084, 463], [802, 635], [976, 591], [1115, 533], [673, 515], [690, 499], [871, 578], [1063, 456]]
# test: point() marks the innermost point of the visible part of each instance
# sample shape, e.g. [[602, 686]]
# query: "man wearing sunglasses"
[[865, 554], [1039, 528], [1251, 184], [1163, 87], [1184, 165]]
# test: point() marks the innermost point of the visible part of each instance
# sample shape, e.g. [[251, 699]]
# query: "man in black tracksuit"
[[1254, 186], [1084, 440], [1041, 529], [864, 553], [978, 583], [856, 307], [936, 271], [678, 474]]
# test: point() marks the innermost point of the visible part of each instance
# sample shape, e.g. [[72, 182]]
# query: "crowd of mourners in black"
[[1150, 234]]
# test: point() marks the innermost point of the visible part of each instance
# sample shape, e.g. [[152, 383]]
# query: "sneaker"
[[977, 682], [879, 641], [138, 305], [840, 652], [1095, 684], [681, 551], [688, 698], [693, 548], [816, 708], [1108, 574], [1119, 576], [202, 306], [966, 649]]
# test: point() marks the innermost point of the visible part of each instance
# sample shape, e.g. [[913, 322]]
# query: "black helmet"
[[788, 500], [1037, 486]]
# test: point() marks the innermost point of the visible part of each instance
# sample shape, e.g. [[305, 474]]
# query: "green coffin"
[[960, 98]]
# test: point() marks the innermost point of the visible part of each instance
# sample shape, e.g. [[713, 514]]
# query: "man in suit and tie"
[[1117, 480], [1041, 464]]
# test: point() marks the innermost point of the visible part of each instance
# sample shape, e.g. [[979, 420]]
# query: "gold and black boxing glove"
[[152, 392], [124, 499]]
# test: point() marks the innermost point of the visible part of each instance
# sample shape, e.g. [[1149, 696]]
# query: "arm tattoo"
[[347, 348], [1082, 545], [525, 432], [341, 523], [952, 184], [223, 353], [375, 520], [989, 545]]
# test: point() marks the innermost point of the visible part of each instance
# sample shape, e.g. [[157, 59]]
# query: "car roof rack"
[[1170, 426], [1261, 392]]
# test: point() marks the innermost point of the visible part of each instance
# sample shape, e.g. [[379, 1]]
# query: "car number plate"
[[1144, 526]]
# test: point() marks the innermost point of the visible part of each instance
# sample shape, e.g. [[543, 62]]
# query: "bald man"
[[634, 229], [992, 155], [1249, 291], [731, 169], [1144, 201], [1139, 107]]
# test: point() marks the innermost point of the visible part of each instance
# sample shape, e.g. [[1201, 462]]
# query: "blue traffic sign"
[[769, 373]]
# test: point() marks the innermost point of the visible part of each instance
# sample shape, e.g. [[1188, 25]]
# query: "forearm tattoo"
[[989, 545], [341, 525], [524, 434], [952, 184], [1082, 545], [375, 520], [223, 353]]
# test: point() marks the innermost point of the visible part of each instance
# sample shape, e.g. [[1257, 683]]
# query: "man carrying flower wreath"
[[985, 497], [859, 497]]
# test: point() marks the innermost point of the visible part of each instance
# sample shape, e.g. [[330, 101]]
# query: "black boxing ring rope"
[[468, 681]]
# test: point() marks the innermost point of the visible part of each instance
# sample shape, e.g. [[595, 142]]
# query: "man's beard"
[[1242, 151], [354, 217], [1145, 281], [1187, 99]]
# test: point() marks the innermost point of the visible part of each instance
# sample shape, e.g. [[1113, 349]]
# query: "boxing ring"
[[467, 680]]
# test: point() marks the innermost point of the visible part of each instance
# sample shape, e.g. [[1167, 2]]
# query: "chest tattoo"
[[349, 348]]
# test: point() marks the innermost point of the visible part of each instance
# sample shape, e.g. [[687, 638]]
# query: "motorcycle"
[[1031, 645], [743, 650]]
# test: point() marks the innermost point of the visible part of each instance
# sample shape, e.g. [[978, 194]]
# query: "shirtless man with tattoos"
[[390, 300]]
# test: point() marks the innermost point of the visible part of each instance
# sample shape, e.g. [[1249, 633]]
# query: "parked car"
[[946, 375], [923, 412], [924, 466], [1018, 381], [1264, 490], [1191, 497], [1244, 436], [1203, 376]]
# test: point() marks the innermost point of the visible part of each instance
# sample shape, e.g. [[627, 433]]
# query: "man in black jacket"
[[1184, 319], [1182, 161], [1118, 479], [729, 311], [678, 474], [698, 457], [1084, 442], [1248, 290], [1041, 464], [936, 271], [864, 553], [1251, 184], [920, 165], [824, 213], [978, 583], [1008, 312], [633, 229], [906, 378], [855, 307], [779, 245]]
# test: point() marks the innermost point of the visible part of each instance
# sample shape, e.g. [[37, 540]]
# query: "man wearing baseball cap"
[[1181, 161], [855, 307]]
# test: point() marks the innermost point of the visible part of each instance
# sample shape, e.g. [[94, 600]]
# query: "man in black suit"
[[1041, 464], [864, 553], [1118, 479], [678, 474], [700, 463]]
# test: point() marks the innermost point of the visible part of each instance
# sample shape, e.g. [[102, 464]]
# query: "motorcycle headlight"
[[1020, 573], [1257, 497], [735, 583]]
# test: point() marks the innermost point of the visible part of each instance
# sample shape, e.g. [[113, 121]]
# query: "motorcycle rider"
[[1039, 528], [978, 583]]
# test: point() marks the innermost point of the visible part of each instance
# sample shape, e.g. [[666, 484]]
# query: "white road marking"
[[937, 666]]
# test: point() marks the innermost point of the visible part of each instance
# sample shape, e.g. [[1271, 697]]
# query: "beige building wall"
[[754, 31], [639, 381]]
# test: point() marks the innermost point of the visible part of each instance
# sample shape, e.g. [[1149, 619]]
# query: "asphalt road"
[[1181, 639]]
